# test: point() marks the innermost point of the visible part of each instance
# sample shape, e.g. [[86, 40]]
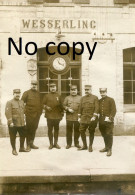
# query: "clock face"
[[59, 64]]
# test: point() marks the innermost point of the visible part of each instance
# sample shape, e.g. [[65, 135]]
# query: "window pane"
[[128, 98], [133, 86], [65, 85], [43, 73], [42, 55], [127, 55], [131, 1], [133, 98], [66, 76], [127, 86], [133, 73], [127, 74], [52, 75], [75, 73], [133, 54], [43, 86]]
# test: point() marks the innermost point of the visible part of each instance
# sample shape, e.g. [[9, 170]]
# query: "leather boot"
[[90, 148], [33, 146], [109, 152], [68, 146], [22, 149], [77, 146], [28, 148], [14, 152], [56, 146], [83, 136], [103, 150], [83, 148]]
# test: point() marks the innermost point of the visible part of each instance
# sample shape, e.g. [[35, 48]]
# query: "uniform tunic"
[[33, 103], [72, 102], [53, 100], [107, 108], [33, 110], [89, 107], [15, 112]]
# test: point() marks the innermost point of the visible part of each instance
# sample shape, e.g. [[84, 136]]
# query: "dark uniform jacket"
[[89, 107], [72, 102], [107, 108], [33, 105], [14, 112], [53, 100]]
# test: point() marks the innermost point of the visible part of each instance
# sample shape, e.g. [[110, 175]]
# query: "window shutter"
[[51, 1], [121, 1], [35, 1], [81, 1]]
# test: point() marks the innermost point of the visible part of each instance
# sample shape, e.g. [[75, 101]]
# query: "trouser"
[[53, 124], [106, 129], [91, 127], [12, 132], [31, 126], [69, 129]]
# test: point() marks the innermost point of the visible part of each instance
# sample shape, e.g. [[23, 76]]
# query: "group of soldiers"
[[82, 113]]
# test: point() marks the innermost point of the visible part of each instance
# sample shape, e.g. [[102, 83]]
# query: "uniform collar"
[[104, 97], [88, 95]]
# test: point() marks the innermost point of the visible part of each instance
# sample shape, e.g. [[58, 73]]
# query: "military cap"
[[87, 86], [103, 89], [34, 82], [52, 84], [16, 91], [73, 87]]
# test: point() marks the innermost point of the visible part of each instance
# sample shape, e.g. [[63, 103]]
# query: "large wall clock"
[[59, 64]]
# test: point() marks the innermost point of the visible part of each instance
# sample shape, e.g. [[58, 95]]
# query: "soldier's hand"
[[70, 110], [108, 120], [11, 125], [79, 119], [48, 108], [93, 118]]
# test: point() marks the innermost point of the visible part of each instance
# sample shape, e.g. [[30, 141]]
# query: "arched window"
[[50, 69], [129, 75]]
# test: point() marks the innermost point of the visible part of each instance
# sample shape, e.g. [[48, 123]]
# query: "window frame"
[[128, 65]]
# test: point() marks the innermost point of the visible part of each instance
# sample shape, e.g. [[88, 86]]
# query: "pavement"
[[68, 165]]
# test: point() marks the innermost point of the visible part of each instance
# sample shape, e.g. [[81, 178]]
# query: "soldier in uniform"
[[107, 111], [88, 113], [33, 111], [53, 112], [71, 105], [14, 112]]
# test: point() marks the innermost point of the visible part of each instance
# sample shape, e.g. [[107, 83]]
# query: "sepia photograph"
[[67, 97]]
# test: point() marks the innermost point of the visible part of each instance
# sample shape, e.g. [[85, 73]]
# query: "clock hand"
[[60, 63]]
